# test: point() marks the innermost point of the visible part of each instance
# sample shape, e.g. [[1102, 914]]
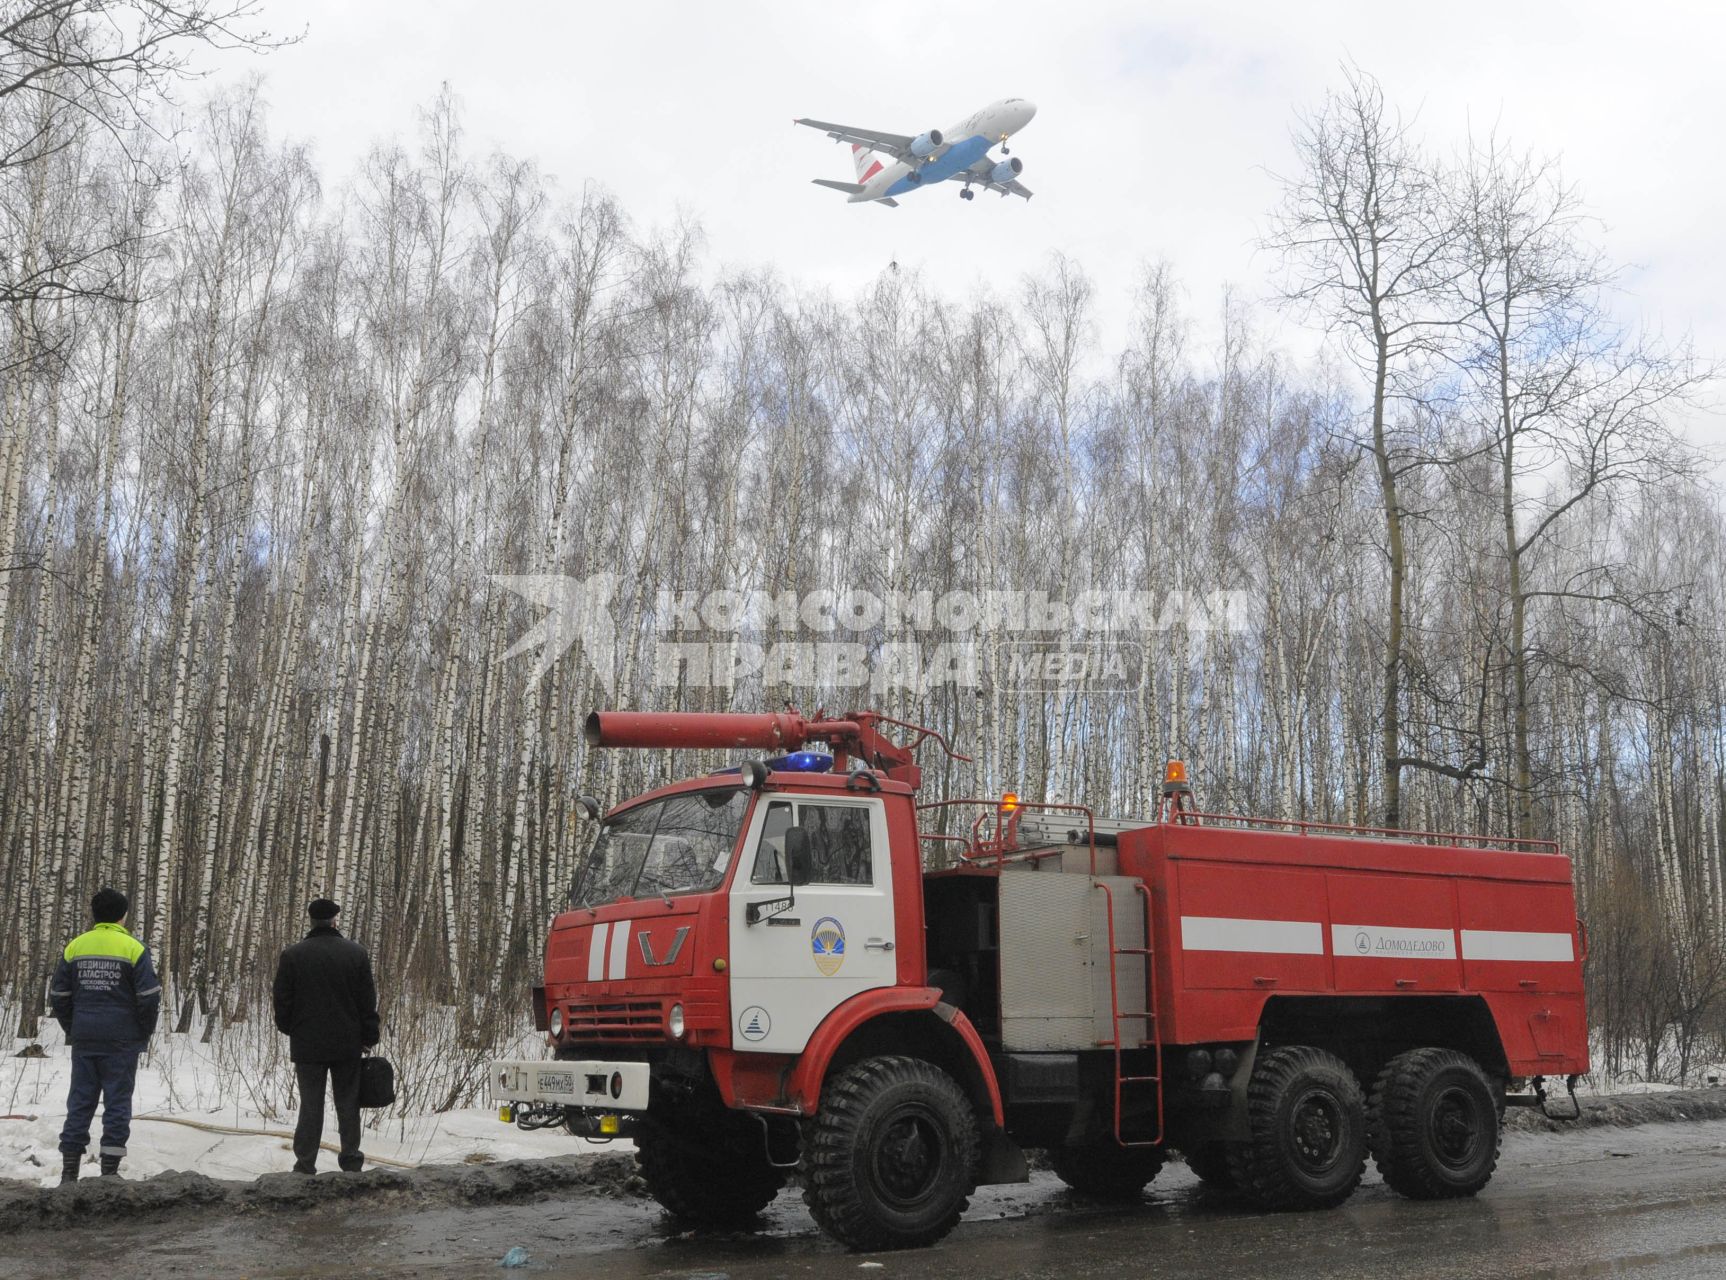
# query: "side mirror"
[[589, 806], [797, 855]]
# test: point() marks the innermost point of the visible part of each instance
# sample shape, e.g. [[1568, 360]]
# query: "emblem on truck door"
[[645, 938], [827, 943], [753, 1023]]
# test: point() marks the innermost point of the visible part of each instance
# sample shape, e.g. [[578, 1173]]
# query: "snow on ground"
[[183, 1079], [242, 1080]]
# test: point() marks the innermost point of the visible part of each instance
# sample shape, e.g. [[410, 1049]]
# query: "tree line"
[[265, 445]]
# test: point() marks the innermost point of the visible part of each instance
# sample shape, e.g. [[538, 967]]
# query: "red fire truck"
[[792, 966]]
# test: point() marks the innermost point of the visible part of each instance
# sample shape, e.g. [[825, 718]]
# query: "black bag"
[[377, 1082]]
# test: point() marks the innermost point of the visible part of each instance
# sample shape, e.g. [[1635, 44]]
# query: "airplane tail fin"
[[867, 162]]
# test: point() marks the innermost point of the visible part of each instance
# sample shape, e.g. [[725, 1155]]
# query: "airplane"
[[896, 164]]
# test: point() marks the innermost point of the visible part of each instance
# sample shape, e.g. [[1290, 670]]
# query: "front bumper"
[[593, 1085]]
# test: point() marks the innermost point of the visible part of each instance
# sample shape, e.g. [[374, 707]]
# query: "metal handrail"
[[998, 846], [941, 837], [1515, 843]]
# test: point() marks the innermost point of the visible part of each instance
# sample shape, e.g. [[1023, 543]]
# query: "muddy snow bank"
[[23, 1205], [211, 1107], [1623, 1110]]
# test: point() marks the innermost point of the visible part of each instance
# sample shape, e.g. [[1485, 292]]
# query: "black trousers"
[[344, 1081]]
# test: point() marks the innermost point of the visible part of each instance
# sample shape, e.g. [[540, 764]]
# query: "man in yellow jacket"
[[106, 996]]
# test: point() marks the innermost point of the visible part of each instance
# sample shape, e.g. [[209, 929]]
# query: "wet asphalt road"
[[1649, 1201]]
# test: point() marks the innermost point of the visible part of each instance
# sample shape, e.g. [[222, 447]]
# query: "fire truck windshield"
[[682, 844]]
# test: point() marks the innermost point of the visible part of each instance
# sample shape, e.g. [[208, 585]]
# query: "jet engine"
[[1007, 170], [924, 144]]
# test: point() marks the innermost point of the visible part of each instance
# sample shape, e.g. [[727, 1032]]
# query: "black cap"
[[323, 909], [109, 906]]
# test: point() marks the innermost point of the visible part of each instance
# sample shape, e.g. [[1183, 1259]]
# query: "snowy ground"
[[242, 1080], [181, 1079]]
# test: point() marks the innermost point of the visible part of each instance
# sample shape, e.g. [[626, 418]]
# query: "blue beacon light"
[[809, 762]]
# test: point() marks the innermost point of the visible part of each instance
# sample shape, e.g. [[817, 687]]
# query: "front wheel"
[[707, 1166], [1435, 1127], [1306, 1118], [1103, 1168], [891, 1158]]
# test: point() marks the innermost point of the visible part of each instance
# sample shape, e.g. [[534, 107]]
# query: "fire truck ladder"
[[1152, 1039]]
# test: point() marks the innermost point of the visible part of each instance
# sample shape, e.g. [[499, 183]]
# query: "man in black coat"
[[327, 1006]]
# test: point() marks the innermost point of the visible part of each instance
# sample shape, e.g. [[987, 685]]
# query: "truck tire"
[[1209, 1162], [1307, 1131], [1435, 1125], [711, 1171], [1103, 1168], [891, 1157]]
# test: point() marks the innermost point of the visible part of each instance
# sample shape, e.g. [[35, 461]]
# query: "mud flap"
[[1575, 1112], [1232, 1125], [1000, 1159]]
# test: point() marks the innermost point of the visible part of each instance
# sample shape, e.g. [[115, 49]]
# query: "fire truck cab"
[[791, 966]]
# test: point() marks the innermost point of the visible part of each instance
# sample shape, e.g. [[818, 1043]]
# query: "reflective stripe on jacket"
[[105, 993]]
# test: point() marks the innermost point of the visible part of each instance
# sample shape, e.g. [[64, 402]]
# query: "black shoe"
[[310, 1170], [69, 1162], [110, 1166]]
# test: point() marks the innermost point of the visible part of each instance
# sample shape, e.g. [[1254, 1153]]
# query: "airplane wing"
[[978, 176], [897, 145]]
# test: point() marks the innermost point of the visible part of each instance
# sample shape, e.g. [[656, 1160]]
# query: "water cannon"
[[854, 735]]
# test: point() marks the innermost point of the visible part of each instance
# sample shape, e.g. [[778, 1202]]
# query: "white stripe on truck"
[[619, 965], [1264, 937], [1510, 944], [1372, 941], [596, 953]]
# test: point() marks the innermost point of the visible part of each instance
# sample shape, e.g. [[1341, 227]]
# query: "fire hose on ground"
[[245, 1133]]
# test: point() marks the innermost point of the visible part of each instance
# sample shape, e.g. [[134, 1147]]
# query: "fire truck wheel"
[[1105, 1169], [723, 1181], [1435, 1125], [891, 1158], [1209, 1162], [1306, 1118]]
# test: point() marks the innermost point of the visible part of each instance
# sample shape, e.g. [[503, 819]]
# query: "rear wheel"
[[1435, 1125], [891, 1158], [1209, 1162], [707, 1165], [1307, 1140], [1105, 1169]]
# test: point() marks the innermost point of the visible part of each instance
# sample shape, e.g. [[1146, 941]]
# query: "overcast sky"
[[1159, 130]]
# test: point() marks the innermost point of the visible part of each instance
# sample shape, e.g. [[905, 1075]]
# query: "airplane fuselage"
[[966, 143]]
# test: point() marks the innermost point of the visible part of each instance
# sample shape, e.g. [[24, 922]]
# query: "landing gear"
[[965, 193]]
